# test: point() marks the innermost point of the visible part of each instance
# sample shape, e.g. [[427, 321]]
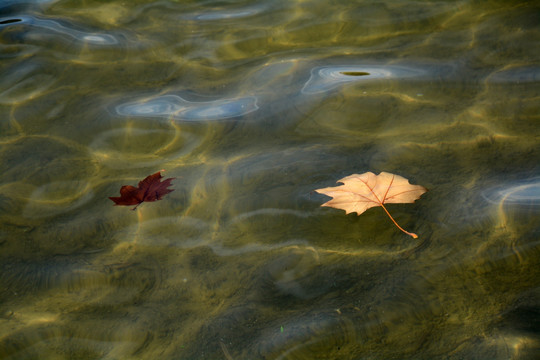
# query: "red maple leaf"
[[150, 189]]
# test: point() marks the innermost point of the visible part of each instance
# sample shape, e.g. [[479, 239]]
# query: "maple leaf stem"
[[399, 227], [137, 205]]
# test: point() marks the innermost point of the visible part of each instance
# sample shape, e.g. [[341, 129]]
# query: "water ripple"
[[517, 75], [521, 193], [57, 197], [328, 77], [122, 148], [225, 14], [175, 107], [55, 26]]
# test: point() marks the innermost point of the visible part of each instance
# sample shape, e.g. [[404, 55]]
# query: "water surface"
[[251, 106]]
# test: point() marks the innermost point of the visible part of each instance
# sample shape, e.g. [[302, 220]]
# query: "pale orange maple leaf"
[[360, 192]]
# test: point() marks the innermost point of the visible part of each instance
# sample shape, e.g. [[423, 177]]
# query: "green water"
[[251, 106]]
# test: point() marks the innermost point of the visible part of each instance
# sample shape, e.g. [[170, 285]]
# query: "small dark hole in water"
[[355, 73], [9, 21]]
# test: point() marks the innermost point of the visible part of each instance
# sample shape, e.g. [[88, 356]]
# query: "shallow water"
[[251, 106]]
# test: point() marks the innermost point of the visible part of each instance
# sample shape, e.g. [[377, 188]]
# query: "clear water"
[[252, 105]]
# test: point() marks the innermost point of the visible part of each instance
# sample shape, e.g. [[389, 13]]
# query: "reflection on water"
[[215, 13], [326, 78], [175, 107], [52, 28], [520, 193], [517, 75], [240, 261]]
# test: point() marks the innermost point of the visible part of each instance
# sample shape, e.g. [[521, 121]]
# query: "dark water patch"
[[346, 314], [26, 82], [522, 318], [53, 339], [9, 21], [23, 278], [251, 107], [39, 160], [305, 337], [94, 283], [355, 73], [295, 275]]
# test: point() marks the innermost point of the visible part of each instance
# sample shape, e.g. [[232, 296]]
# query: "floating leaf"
[[360, 192], [150, 189]]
